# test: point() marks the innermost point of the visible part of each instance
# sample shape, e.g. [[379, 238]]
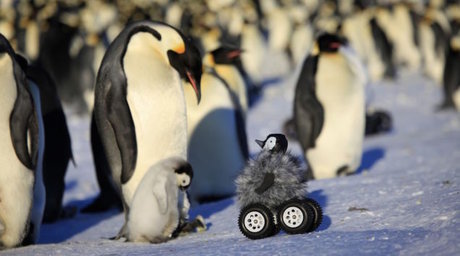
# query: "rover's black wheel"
[[295, 217], [256, 221], [318, 213]]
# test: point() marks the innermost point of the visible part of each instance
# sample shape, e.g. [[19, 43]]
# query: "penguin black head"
[[188, 63], [184, 175], [275, 142], [330, 43], [226, 55]]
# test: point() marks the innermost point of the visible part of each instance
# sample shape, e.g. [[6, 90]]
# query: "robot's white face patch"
[[270, 143], [183, 180]]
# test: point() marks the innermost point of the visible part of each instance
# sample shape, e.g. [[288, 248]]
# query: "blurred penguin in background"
[[217, 142], [398, 21], [58, 148], [451, 76], [329, 108], [434, 30]]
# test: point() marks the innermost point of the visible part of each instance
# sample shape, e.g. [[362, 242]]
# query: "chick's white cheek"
[[183, 180], [271, 143]]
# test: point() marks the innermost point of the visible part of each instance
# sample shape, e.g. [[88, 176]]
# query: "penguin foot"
[[446, 105], [344, 171], [103, 203], [196, 225], [68, 212]]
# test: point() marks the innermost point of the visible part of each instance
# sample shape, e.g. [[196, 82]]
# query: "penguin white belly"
[[280, 30], [16, 181], [157, 106], [341, 93], [148, 220], [254, 51], [214, 150], [236, 83], [302, 40]]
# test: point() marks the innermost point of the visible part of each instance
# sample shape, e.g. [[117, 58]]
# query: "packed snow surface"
[[405, 199]]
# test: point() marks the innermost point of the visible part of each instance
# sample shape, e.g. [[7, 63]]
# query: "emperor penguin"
[[226, 62], [155, 210], [217, 141], [22, 136], [329, 108], [139, 109], [451, 77]]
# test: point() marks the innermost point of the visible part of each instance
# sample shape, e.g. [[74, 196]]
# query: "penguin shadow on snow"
[[208, 209], [256, 92], [322, 200], [370, 158], [65, 228]]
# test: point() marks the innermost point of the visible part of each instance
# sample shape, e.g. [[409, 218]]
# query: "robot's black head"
[[330, 42], [275, 142]]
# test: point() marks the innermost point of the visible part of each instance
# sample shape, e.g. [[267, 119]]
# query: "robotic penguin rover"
[[271, 192]]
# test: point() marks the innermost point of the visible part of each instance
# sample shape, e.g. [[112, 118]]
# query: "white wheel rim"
[[254, 221], [293, 217]]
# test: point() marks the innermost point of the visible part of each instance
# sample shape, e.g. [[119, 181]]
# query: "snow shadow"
[[206, 210], [63, 229], [370, 158], [321, 198]]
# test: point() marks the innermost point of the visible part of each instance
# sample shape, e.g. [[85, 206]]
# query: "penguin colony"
[[213, 54]]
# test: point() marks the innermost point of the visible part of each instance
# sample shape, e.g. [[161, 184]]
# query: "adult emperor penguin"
[[139, 101], [217, 147], [329, 108], [451, 77], [155, 213], [21, 133], [226, 62]]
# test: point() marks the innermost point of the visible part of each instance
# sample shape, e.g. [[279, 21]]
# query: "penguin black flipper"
[[308, 111], [121, 121], [23, 119], [108, 196]]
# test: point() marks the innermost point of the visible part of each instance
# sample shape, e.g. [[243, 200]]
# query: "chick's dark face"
[[184, 175], [189, 65]]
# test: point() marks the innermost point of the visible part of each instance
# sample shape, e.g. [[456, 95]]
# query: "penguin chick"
[[154, 213], [273, 177]]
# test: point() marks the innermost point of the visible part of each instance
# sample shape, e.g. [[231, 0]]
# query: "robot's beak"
[[260, 143]]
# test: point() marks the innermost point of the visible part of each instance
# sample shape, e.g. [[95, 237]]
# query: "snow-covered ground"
[[404, 200]]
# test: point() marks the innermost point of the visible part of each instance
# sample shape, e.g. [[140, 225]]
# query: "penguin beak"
[[234, 54], [195, 84], [260, 143], [334, 45]]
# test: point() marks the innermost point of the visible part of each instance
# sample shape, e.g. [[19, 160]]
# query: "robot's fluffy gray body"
[[288, 181]]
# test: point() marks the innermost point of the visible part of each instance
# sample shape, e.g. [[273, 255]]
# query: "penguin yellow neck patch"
[[179, 48]]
